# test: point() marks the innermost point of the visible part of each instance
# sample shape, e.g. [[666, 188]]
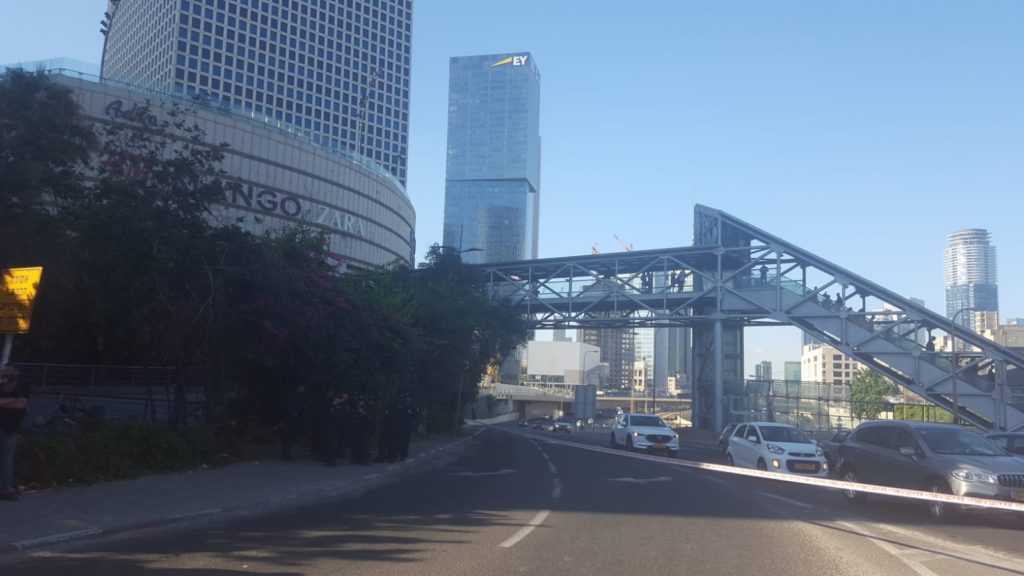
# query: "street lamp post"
[[953, 362]]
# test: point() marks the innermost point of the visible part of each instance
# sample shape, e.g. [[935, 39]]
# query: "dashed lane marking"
[[525, 530]]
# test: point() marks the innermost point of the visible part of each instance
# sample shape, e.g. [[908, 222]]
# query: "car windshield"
[[647, 421], [784, 434], [949, 441]]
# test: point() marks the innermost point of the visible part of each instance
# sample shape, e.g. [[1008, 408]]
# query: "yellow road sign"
[[17, 298]]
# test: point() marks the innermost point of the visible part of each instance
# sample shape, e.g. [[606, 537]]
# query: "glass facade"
[[969, 267], [337, 70], [492, 184]]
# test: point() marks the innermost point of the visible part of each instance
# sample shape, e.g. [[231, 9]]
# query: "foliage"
[[138, 271], [869, 394], [922, 413], [109, 452]]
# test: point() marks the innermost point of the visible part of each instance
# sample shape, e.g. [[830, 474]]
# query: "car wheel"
[[615, 444], [729, 460], [852, 495], [762, 465], [939, 510], [629, 443]]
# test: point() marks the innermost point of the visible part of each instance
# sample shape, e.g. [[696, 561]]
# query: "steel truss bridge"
[[737, 275]]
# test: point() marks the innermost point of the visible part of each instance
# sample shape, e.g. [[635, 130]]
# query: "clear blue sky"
[[863, 131]]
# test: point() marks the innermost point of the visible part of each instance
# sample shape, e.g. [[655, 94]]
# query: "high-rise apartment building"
[[618, 351], [335, 71], [969, 269], [492, 183]]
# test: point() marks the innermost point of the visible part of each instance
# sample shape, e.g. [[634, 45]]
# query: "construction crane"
[[594, 249], [627, 247]]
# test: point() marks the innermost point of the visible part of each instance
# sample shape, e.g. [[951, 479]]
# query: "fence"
[[819, 408], [126, 393]]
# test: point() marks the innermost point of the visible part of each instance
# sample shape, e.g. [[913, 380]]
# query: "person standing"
[[13, 405]]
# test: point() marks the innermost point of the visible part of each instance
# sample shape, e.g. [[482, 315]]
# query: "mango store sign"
[[277, 203]]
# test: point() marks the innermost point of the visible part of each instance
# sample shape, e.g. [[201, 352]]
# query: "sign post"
[[18, 288]]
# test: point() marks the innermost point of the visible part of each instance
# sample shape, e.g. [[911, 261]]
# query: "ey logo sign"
[[513, 60]]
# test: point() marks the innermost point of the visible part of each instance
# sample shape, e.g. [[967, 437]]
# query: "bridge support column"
[[718, 369]]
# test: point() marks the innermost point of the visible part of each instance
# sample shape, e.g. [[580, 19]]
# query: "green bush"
[[110, 451]]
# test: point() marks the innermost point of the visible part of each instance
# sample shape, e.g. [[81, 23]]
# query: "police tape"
[[971, 501]]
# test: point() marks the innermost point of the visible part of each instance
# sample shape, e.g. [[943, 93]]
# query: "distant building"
[[763, 370], [492, 180], [969, 270], [561, 363], [1009, 335], [335, 72], [824, 364], [792, 371], [618, 351]]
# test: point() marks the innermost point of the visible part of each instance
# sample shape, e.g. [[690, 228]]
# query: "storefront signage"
[[281, 203], [137, 114]]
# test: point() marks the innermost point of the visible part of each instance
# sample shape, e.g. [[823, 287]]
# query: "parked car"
[[775, 447], [645, 432], [563, 425], [942, 458], [524, 423], [723, 438], [1012, 442], [830, 447]]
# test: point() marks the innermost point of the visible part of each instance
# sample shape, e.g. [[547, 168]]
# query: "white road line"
[[786, 500], [556, 489], [914, 565], [551, 467], [969, 553], [55, 538], [525, 530]]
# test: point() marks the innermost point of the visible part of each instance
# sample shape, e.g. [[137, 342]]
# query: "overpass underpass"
[[737, 275]]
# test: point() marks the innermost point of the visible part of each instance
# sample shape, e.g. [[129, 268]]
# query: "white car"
[[775, 447], [645, 432]]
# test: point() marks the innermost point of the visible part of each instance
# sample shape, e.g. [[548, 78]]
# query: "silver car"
[[941, 458]]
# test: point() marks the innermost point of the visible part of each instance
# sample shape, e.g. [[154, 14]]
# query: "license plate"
[[659, 446], [1018, 495], [803, 466]]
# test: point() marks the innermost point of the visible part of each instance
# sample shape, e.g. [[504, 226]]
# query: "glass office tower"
[[336, 71], [492, 185], [969, 267]]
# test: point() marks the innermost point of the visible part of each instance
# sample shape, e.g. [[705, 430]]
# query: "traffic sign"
[[17, 298]]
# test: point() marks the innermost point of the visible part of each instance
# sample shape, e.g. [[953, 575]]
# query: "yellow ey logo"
[[513, 60]]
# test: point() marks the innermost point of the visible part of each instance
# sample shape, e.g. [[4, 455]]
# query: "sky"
[[864, 132]]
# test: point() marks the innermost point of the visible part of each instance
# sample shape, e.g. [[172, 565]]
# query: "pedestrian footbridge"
[[737, 276]]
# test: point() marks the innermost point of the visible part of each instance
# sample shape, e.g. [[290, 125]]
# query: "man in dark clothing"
[[362, 431], [292, 422], [13, 405]]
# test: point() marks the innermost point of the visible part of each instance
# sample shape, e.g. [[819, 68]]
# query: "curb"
[[346, 487]]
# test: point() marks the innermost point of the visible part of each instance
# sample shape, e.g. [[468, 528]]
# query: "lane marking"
[[54, 538], [551, 467], [525, 530], [911, 563], [556, 489], [786, 500], [642, 480], [494, 473]]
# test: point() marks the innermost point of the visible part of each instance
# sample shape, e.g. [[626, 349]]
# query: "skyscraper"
[[492, 184], [969, 267], [335, 71]]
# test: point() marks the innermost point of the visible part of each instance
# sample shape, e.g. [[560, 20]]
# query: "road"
[[532, 503]]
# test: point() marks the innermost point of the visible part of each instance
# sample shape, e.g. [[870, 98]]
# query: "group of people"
[[343, 426]]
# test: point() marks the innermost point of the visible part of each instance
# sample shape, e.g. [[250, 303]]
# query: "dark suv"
[[925, 456]]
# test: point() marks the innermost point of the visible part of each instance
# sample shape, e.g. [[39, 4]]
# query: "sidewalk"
[[71, 513]]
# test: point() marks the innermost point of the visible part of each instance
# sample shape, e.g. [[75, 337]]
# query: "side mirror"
[[908, 451]]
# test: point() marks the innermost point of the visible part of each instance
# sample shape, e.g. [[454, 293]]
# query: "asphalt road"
[[534, 503]]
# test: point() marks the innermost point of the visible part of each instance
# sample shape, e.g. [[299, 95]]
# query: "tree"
[[869, 394]]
